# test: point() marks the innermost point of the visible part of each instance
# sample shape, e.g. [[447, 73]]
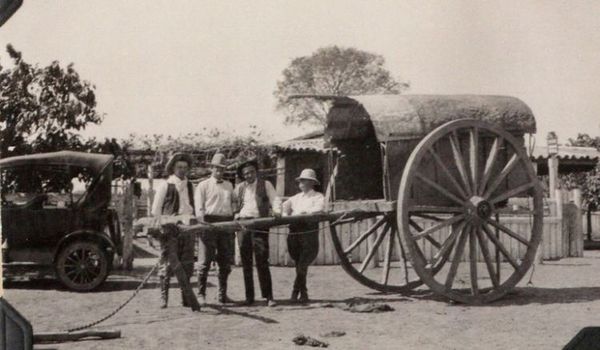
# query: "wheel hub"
[[480, 208]]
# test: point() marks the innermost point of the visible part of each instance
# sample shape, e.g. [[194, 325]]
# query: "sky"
[[174, 67]]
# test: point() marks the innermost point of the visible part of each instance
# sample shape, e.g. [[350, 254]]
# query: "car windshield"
[[48, 187]]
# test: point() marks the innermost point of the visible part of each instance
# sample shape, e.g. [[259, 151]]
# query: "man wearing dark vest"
[[255, 198], [175, 196]]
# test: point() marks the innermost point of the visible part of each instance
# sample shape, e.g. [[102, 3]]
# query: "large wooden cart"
[[435, 177]]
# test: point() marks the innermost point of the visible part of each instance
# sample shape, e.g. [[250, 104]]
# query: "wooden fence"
[[552, 247]]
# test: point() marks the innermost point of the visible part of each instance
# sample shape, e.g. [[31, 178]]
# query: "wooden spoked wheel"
[[470, 187], [370, 250]]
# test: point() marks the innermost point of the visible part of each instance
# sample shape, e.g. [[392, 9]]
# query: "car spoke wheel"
[[82, 266]]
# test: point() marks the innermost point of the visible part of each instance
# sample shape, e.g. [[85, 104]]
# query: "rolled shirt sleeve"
[[273, 197], [199, 199]]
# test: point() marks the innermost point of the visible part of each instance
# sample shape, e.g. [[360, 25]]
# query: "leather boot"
[[164, 291], [184, 300], [223, 298]]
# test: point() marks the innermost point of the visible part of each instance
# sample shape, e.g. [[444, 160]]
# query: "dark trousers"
[[257, 243], [185, 253], [303, 247], [214, 246]]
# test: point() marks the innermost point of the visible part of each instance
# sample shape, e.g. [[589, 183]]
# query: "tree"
[[589, 182], [43, 108], [333, 71], [585, 140]]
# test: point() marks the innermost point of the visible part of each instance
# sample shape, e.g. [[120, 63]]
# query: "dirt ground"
[[565, 298]]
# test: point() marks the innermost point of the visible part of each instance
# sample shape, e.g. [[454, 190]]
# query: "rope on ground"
[[120, 307]]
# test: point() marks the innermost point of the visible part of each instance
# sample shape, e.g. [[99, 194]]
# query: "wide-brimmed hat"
[[250, 162], [219, 160], [308, 174], [180, 156]]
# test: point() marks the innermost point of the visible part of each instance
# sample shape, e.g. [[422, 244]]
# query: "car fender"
[[92, 235]]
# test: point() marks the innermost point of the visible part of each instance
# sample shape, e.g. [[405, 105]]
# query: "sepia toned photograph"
[[393, 174]]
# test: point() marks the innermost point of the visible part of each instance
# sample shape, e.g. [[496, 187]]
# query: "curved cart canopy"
[[401, 117], [377, 133]]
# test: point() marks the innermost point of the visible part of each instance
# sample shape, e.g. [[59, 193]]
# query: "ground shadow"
[[532, 295]]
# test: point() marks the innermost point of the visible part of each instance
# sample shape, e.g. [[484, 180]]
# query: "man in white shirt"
[[255, 196], [303, 240], [214, 203], [175, 197]]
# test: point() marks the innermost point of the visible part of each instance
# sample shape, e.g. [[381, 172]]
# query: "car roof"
[[93, 161]]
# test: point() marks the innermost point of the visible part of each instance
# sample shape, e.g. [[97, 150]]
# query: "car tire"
[[82, 266]]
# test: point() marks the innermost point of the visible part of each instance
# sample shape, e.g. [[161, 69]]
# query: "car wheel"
[[82, 265]]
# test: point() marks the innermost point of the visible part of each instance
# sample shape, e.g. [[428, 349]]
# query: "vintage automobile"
[[55, 213]]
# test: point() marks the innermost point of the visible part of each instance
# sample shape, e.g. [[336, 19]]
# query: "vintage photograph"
[[393, 174]]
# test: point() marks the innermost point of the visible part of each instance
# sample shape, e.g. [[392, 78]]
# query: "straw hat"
[[176, 158], [219, 160], [308, 174]]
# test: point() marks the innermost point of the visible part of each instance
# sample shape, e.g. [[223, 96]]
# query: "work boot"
[[164, 291], [184, 301], [303, 296], [294, 297], [223, 298]]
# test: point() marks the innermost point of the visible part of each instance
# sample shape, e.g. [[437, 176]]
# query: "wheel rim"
[[371, 251], [82, 266], [455, 184]]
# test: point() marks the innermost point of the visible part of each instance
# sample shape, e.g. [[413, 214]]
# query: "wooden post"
[[589, 222], [280, 171], [577, 233], [552, 175], [150, 194], [127, 224]]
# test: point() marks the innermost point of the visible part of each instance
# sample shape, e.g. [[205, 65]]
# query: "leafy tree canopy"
[[42, 109], [334, 71], [589, 182]]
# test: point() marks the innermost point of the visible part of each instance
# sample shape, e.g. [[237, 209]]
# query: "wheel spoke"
[[515, 191], [489, 164], [429, 238], [448, 244], [474, 156], [440, 189], [429, 217], [71, 259], [448, 174], [500, 246], [417, 209], [439, 226], [402, 256], [486, 256], [365, 235], [508, 231], [373, 249], [460, 163], [505, 171], [473, 261], [458, 252], [388, 256]]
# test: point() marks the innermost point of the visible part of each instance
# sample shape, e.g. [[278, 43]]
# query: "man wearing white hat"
[[175, 197], [303, 240], [214, 203]]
